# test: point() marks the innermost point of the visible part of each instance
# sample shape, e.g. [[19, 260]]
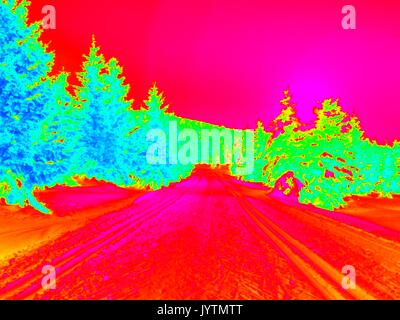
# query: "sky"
[[227, 62]]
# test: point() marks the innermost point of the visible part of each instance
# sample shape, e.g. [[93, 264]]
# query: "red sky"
[[227, 62]]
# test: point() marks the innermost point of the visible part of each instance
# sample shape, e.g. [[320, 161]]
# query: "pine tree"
[[331, 173], [287, 121], [106, 120], [283, 150], [153, 116], [24, 65], [331, 120], [155, 102], [261, 140], [58, 152]]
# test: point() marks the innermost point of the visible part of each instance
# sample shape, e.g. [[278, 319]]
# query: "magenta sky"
[[226, 62]]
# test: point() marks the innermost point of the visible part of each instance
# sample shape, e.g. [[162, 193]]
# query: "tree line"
[[50, 134], [326, 162]]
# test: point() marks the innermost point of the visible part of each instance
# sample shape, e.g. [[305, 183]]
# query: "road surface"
[[211, 237]]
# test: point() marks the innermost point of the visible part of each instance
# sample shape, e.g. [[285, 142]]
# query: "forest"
[[52, 132]]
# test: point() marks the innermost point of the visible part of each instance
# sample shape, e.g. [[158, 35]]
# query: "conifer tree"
[[331, 119], [261, 141], [283, 150], [261, 138], [24, 65], [153, 116], [287, 121], [106, 120], [155, 102], [329, 167], [58, 152]]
